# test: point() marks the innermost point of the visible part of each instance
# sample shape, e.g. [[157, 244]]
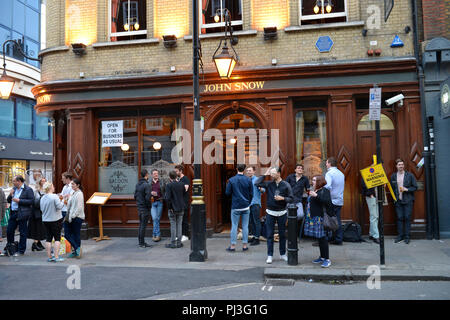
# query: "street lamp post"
[[7, 83], [198, 214]]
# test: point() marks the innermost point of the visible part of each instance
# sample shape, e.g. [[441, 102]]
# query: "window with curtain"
[[128, 20], [7, 118], [311, 141], [42, 128], [212, 7], [24, 119], [322, 11]]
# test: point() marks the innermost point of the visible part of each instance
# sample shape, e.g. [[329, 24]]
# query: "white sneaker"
[[284, 257], [184, 238], [269, 260]]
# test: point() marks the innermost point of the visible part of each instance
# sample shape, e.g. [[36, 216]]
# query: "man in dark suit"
[[174, 196], [21, 199], [404, 184]]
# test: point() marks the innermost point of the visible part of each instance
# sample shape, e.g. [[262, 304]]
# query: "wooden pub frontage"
[[320, 110]]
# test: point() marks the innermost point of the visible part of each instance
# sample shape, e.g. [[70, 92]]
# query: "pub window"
[[322, 11], [212, 7], [311, 141], [146, 144], [369, 125], [128, 20]]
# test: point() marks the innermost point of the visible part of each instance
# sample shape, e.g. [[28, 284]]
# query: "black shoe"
[[399, 239], [251, 240], [377, 241], [145, 245], [171, 245], [40, 245], [407, 240], [336, 243], [255, 242], [34, 247], [179, 245]]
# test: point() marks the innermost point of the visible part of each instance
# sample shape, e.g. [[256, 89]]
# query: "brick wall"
[[435, 18], [151, 58]]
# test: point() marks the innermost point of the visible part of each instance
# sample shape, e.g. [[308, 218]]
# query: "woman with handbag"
[[318, 201], [74, 218], [36, 228]]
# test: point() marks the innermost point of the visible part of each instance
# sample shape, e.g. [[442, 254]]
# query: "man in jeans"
[[142, 197], [404, 184], [279, 194], [157, 192], [240, 188], [255, 208], [174, 196], [65, 194], [335, 183]]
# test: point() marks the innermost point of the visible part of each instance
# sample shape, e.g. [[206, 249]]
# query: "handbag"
[[330, 222], [4, 222]]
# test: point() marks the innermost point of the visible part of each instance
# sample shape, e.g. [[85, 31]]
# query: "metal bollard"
[[292, 235]]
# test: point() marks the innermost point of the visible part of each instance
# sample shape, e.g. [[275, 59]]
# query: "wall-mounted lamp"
[[170, 41], [79, 48], [7, 83], [270, 33], [364, 32], [2, 147], [125, 147], [407, 29], [157, 146]]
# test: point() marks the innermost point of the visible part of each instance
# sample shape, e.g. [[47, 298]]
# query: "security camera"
[[398, 98]]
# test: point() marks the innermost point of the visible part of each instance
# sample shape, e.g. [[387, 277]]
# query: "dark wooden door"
[[366, 143]]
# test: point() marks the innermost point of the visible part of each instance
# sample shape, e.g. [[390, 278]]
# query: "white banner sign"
[[375, 104], [112, 133]]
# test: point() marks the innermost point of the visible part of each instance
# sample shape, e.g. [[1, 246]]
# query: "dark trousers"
[[144, 216], [404, 212], [185, 224], [270, 225], [323, 245], [23, 229], [338, 235], [65, 224], [254, 225], [73, 234]]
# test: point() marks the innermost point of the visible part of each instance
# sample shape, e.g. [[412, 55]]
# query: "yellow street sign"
[[375, 176]]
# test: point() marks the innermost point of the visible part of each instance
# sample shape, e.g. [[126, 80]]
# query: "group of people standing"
[[245, 190], [150, 195], [40, 214]]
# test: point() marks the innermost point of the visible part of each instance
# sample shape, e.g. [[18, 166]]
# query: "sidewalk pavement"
[[419, 260]]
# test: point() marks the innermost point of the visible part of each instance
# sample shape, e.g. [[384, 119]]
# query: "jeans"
[[73, 234], [235, 215], [157, 208], [255, 221], [185, 224], [270, 225], [176, 222], [404, 211], [339, 233], [373, 216], [144, 216], [23, 229], [65, 224]]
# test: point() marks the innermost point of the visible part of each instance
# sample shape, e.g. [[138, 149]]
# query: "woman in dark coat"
[[318, 200], [36, 229]]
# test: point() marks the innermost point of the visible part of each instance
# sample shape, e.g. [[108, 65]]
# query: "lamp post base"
[[198, 234]]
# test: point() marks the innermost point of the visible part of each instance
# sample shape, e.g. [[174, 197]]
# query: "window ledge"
[[351, 24], [124, 43], [221, 34], [53, 49]]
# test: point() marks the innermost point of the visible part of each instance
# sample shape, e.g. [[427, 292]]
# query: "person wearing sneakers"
[[279, 194], [51, 206], [75, 218], [157, 189], [240, 188], [175, 191], [255, 207], [318, 200], [179, 169]]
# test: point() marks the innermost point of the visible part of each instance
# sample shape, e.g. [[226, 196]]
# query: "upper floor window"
[[128, 20], [322, 11], [212, 8]]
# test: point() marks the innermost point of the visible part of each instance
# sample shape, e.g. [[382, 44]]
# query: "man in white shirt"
[[335, 183], [65, 194]]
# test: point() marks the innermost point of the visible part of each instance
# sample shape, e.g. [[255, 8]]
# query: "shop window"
[[128, 20], [212, 7], [322, 11], [311, 141], [146, 144], [42, 128], [24, 119], [369, 125], [7, 118]]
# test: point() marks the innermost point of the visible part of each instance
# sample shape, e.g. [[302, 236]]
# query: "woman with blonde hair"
[[52, 217], [36, 229]]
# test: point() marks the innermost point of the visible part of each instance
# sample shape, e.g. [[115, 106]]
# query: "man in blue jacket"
[[21, 199], [240, 188]]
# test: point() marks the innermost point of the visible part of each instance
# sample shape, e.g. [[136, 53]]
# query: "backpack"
[[352, 232], [11, 248]]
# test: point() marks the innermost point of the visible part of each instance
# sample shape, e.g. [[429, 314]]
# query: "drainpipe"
[[426, 141]]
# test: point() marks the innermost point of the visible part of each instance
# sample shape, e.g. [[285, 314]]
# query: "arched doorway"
[[366, 149], [230, 118]]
